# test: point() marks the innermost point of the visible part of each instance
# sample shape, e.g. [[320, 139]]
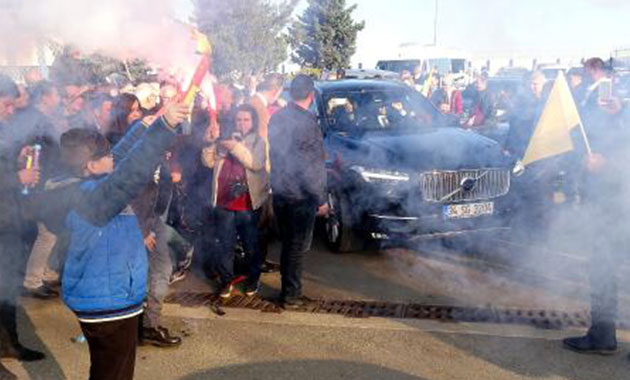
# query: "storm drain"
[[548, 319]]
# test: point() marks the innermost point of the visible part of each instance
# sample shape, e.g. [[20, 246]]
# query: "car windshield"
[[458, 65], [398, 65], [377, 110], [443, 65]]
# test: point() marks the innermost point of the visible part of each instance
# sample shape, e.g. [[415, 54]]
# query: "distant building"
[[19, 55]]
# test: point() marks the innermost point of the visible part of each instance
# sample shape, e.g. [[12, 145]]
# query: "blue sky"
[[493, 26]]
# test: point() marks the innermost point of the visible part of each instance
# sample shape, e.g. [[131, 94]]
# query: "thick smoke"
[[123, 29]]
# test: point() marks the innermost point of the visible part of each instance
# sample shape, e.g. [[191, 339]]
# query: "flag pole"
[[589, 151], [587, 144]]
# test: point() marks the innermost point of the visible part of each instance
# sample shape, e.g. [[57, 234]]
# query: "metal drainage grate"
[[215, 302], [548, 319]]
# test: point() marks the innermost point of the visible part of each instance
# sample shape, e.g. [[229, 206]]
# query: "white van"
[[445, 61], [444, 65], [413, 55]]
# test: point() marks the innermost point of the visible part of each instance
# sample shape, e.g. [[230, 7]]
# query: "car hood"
[[443, 148]]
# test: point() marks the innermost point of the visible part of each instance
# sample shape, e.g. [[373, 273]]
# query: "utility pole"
[[435, 24]]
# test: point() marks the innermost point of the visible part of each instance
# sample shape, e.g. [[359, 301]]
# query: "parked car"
[[551, 70], [400, 170]]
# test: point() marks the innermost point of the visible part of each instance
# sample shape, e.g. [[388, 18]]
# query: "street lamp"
[[435, 22]]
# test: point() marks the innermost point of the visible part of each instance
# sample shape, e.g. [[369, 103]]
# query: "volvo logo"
[[468, 184]]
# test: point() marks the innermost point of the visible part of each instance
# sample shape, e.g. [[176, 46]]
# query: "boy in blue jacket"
[[105, 274]]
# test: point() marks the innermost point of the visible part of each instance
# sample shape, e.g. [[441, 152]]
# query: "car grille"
[[446, 186]]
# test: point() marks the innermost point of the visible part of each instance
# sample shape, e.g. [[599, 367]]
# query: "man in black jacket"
[[12, 253], [604, 190], [298, 182], [40, 124]]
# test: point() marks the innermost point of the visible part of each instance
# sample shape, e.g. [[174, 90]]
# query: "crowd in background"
[[207, 190], [484, 101], [109, 190], [593, 172]]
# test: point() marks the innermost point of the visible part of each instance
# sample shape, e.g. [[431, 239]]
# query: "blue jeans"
[[229, 226], [296, 221]]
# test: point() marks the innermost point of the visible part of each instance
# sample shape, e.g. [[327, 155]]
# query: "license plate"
[[468, 210]]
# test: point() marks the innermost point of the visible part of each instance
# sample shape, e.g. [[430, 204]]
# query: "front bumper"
[[428, 225], [398, 209], [384, 227], [383, 218]]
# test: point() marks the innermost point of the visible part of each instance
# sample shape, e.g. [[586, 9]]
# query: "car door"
[[339, 124]]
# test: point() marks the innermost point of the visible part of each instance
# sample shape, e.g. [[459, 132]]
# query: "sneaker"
[[176, 276], [187, 262], [226, 290], [252, 289]]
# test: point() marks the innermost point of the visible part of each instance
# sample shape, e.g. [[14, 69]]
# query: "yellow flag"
[[552, 135], [203, 46], [426, 86]]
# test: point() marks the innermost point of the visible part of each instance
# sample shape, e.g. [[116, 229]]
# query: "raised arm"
[[108, 196]]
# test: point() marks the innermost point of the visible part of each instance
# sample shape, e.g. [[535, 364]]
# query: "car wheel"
[[340, 235]]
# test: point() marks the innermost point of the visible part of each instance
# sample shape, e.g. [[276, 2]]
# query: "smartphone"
[[605, 90]]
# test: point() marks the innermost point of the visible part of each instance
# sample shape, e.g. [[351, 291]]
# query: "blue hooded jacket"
[[105, 273], [106, 267]]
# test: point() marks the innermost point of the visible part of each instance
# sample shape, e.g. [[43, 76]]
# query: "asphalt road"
[[247, 344]]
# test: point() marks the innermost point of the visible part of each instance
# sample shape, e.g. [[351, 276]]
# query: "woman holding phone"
[[240, 187]]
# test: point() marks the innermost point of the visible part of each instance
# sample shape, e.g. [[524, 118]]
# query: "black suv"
[[399, 169]]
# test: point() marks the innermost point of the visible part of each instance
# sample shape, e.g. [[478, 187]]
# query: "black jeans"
[[229, 226], [604, 231], [112, 348], [296, 221], [265, 227], [8, 325], [12, 259]]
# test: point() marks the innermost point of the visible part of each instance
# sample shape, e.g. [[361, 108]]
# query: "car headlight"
[[518, 169], [377, 175]]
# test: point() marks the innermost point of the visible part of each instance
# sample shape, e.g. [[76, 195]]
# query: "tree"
[[70, 67], [325, 36], [247, 35]]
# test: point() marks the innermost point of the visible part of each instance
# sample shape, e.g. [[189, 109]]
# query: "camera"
[[237, 189], [238, 136]]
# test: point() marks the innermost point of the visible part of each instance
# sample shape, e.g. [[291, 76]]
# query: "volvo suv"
[[398, 169]]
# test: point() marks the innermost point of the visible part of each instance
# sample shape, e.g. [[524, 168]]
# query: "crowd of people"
[[107, 195], [481, 103], [108, 192], [595, 178], [596, 181]]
